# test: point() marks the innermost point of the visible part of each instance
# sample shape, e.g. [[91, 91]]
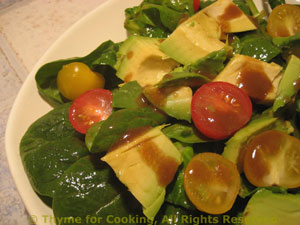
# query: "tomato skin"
[[76, 78], [211, 182], [196, 5], [273, 158], [89, 108], [219, 109], [284, 21]]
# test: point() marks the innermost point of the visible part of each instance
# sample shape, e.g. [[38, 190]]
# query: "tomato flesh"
[[219, 109], [196, 5], [89, 108], [284, 21], [76, 78], [273, 158], [211, 182]]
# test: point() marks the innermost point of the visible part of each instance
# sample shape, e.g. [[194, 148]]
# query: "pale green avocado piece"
[[146, 164], [193, 39], [174, 101], [289, 84], [234, 146], [268, 208], [140, 59]]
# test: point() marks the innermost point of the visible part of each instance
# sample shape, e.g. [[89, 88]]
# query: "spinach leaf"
[[128, 96], [185, 133], [90, 193], [175, 191], [210, 65], [101, 58], [154, 18], [112, 129], [48, 148], [274, 3], [256, 46], [286, 41], [183, 79]]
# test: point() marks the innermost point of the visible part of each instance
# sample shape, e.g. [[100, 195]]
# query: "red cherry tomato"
[[89, 108], [219, 109], [196, 5]]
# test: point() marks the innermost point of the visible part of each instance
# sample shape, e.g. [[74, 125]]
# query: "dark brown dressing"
[[254, 81], [165, 167], [296, 84], [129, 136], [128, 77], [129, 54], [231, 12]]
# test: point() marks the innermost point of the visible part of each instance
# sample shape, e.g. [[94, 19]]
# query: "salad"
[[193, 119]]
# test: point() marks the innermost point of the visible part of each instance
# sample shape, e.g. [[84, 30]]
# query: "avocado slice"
[[266, 208], [231, 18], [246, 72], [234, 146], [289, 84], [174, 101], [146, 164], [140, 59], [193, 39]]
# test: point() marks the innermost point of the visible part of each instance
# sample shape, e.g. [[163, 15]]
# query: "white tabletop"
[[27, 29]]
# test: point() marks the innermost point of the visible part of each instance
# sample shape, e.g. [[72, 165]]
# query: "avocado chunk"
[[246, 72], [234, 146], [146, 164], [193, 39], [268, 208], [140, 59], [174, 101], [289, 84], [231, 18]]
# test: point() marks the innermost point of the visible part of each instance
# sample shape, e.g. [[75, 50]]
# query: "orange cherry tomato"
[[284, 21], [211, 182], [273, 158]]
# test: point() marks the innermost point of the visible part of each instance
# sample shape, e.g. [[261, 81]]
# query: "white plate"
[[104, 23]]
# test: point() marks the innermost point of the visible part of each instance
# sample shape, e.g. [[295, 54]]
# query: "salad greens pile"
[[65, 165]]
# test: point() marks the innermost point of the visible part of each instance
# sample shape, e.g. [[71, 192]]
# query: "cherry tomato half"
[[219, 109], [211, 182], [89, 108], [196, 5], [284, 21], [76, 78], [273, 158]]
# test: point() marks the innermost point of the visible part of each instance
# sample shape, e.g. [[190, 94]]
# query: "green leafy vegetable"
[[185, 133], [210, 65], [128, 96], [175, 192], [112, 129], [157, 18], [183, 79], [48, 148], [274, 3], [100, 59], [89, 192]]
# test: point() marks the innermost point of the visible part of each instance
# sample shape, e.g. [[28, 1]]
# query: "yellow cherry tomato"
[[272, 158], [76, 78], [284, 21]]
